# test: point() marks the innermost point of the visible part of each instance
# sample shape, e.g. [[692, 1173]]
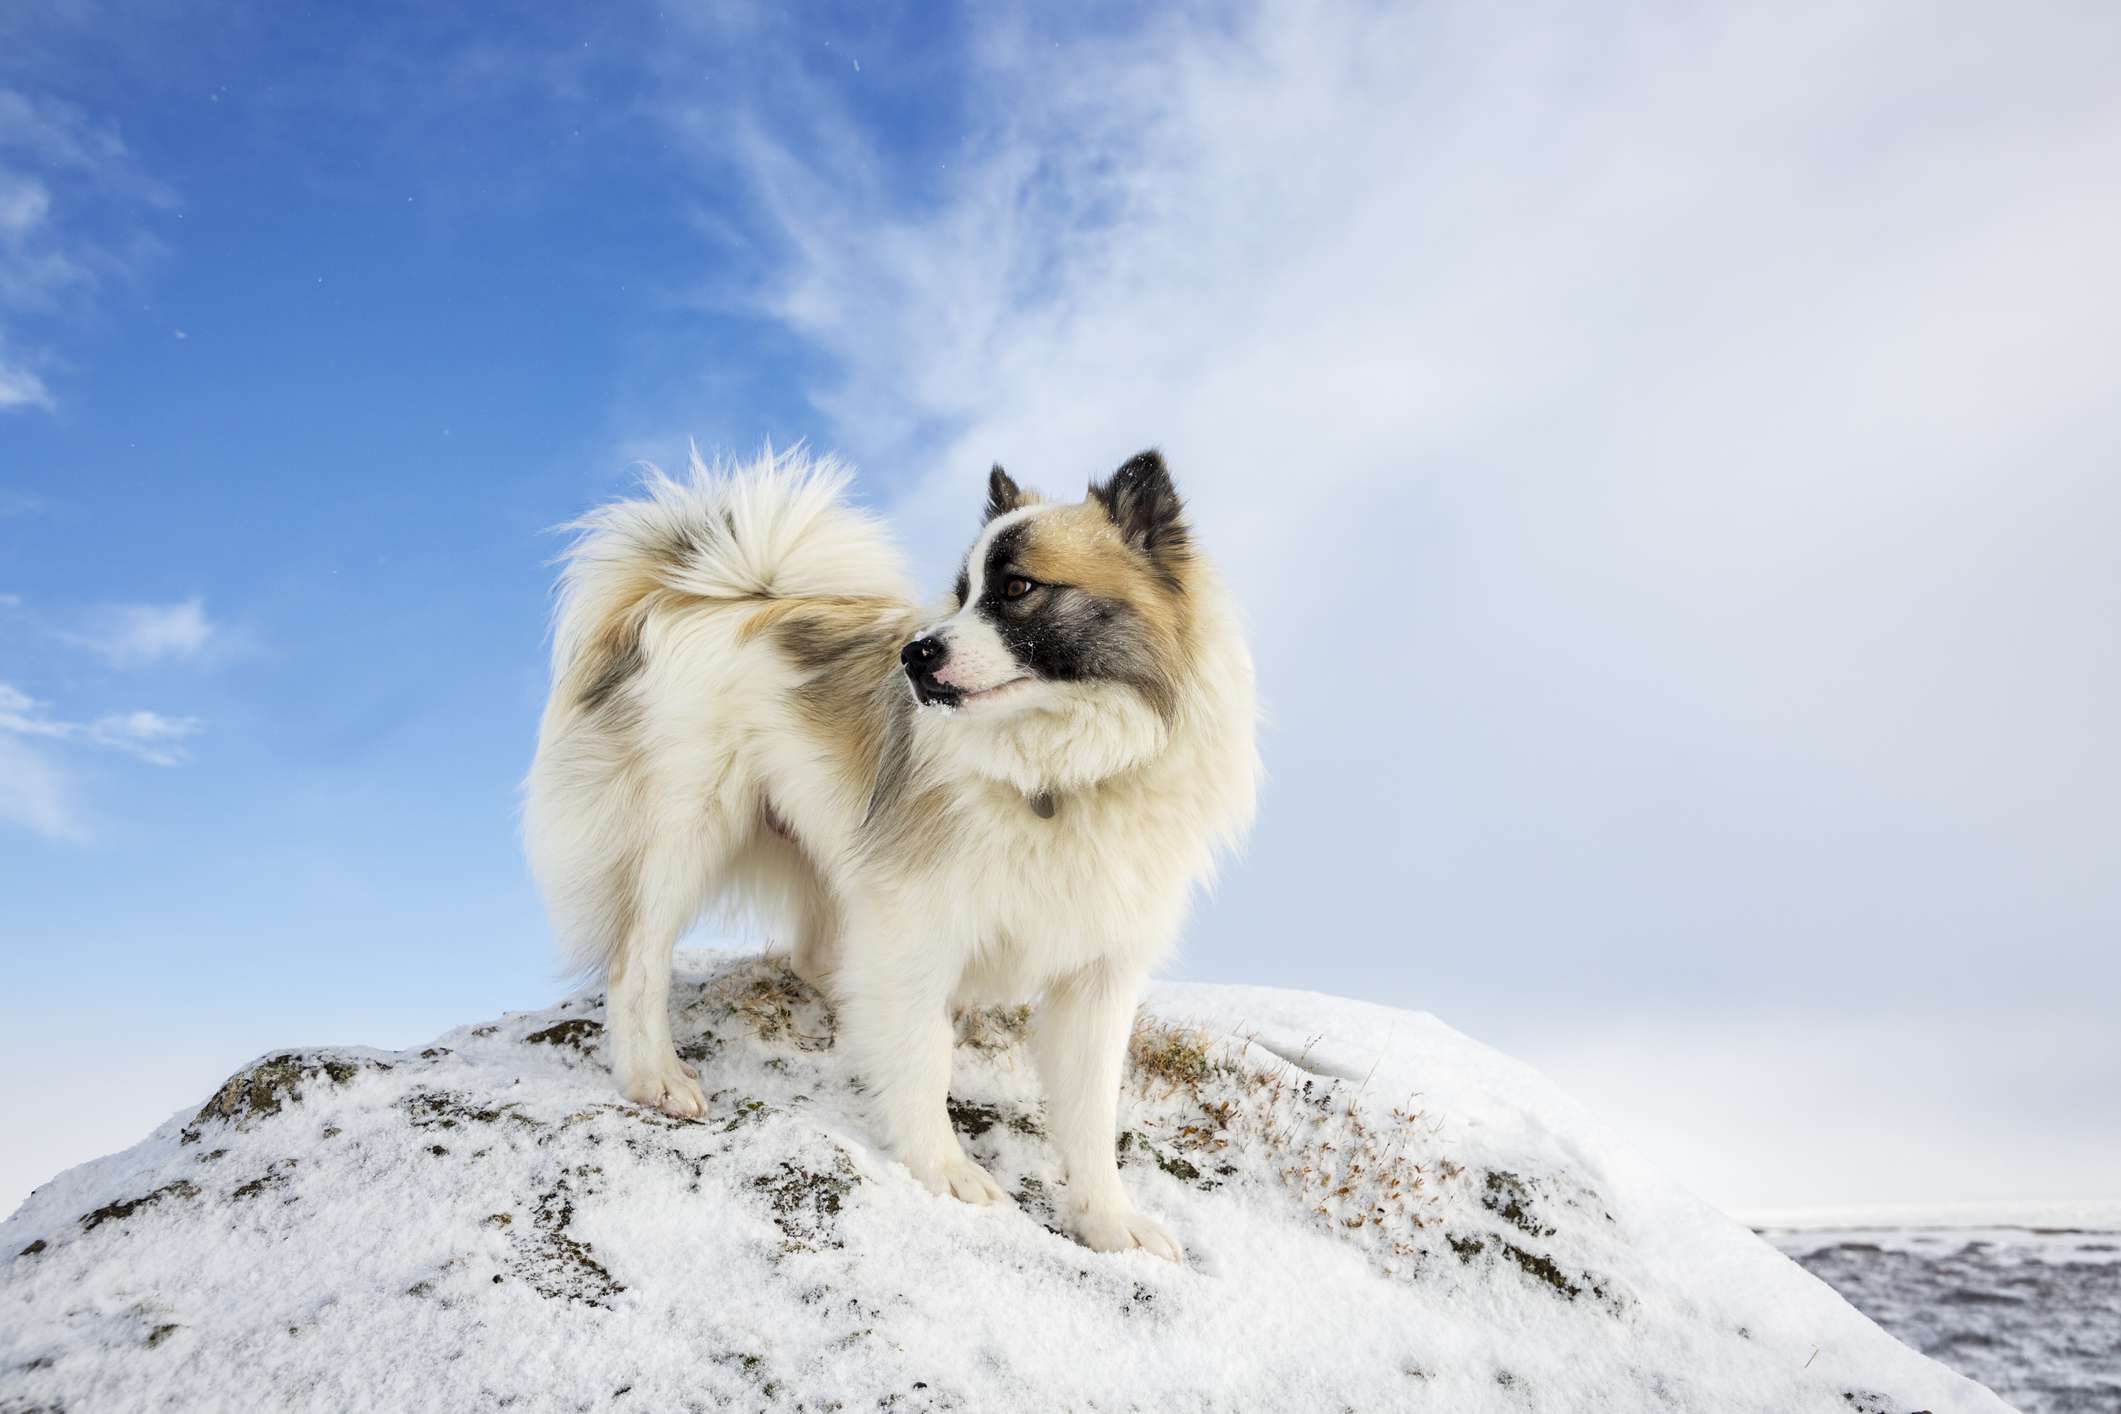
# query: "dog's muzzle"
[[923, 659]]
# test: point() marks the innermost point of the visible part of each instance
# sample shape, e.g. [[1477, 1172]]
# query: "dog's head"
[[1066, 607]]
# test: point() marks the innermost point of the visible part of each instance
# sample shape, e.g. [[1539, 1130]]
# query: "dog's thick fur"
[[1019, 813]]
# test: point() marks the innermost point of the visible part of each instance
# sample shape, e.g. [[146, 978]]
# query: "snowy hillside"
[[1378, 1214]]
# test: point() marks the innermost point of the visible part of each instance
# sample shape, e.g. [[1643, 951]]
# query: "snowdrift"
[[1378, 1213]]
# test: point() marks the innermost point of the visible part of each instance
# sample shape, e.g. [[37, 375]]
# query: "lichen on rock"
[[261, 1089]]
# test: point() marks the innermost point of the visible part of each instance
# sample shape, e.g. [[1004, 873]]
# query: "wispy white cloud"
[[14, 702], [137, 635], [37, 792], [20, 387], [59, 135], [1666, 454], [1775, 415], [24, 203], [152, 737], [36, 795], [38, 789], [148, 736], [70, 198]]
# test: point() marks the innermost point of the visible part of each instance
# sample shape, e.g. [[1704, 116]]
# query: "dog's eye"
[[1016, 587]]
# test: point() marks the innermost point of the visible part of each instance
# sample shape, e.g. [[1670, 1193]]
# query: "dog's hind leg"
[[776, 878], [814, 945], [668, 890]]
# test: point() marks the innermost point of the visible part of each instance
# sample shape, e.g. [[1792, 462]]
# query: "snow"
[[1378, 1214]]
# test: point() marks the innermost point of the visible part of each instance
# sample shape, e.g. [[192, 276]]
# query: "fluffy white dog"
[[1006, 797]]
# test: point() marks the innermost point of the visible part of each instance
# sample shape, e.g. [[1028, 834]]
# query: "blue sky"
[[1668, 458]]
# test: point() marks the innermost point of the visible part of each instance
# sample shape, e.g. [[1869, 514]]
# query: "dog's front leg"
[[893, 1002], [1079, 1038]]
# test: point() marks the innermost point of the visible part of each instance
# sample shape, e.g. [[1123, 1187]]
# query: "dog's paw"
[[1119, 1230], [960, 1178], [672, 1087]]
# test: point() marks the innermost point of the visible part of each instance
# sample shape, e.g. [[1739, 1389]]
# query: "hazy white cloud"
[[1604, 390], [21, 388], [149, 736], [24, 203], [154, 738], [70, 198], [36, 792], [1667, 456], [42, 793], [136, 635], [1820, 1105], [58, 135]]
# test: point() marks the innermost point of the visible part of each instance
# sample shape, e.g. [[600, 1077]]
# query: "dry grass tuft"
[[775, 1003], [1373, 1180], [994, 1028], [1176, 1057]]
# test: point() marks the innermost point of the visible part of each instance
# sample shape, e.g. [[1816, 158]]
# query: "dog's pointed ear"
[[1144, 506], [1003, 494]]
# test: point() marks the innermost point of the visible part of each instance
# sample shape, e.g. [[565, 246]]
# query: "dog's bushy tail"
[[776, 528]]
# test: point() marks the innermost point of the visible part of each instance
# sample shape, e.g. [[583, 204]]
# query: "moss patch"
[[806, 1204], [447, 1109], [556, 1264], [1134, 1144], [1533, 1264], [972, 1120], [579, 1035], [261, 1090], [748, 1111], [275, 1176], [700, 1048], [1510, 1198], [118, 1212]]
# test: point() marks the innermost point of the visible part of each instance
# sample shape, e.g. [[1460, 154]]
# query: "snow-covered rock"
[[1378, 1214]]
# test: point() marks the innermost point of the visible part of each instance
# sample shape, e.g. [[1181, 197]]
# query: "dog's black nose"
[[923, 655]]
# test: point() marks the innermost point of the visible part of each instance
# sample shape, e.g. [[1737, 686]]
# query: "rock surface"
[[1378, 1214]]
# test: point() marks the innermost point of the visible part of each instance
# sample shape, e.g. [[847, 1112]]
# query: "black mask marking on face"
[[1064, 634]]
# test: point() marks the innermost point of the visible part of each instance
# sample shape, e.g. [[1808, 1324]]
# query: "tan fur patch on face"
[[1079, 546]]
